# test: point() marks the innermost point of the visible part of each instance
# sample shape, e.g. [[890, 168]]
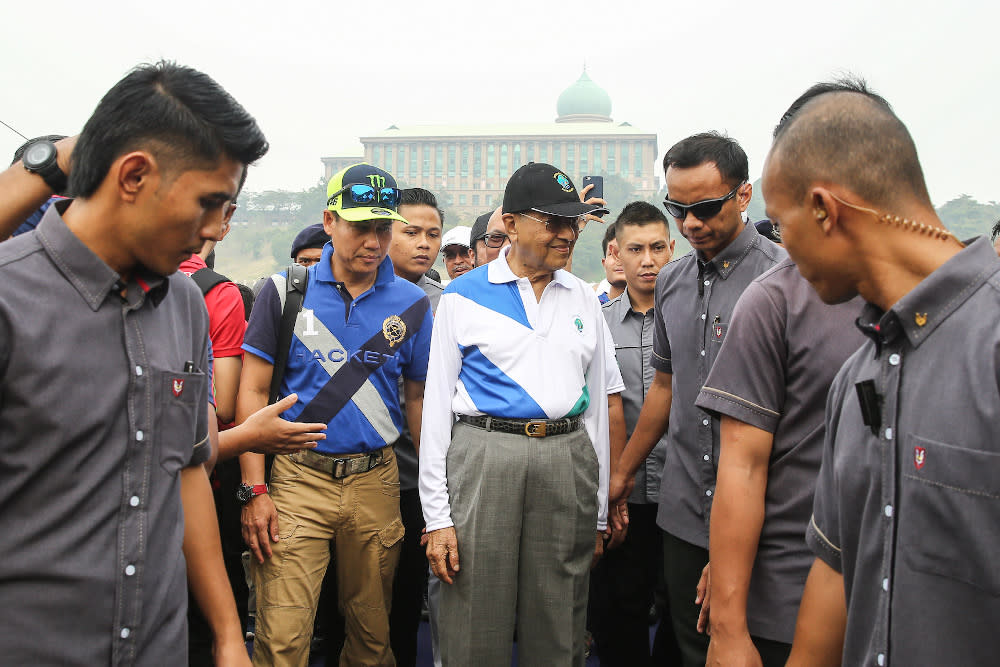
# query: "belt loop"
[[489, 423]]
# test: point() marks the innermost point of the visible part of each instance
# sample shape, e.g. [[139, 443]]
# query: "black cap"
[[766, 229], [541, 187], [479, 229], [313, 236]]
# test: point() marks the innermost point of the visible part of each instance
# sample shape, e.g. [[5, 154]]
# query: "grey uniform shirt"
[[694, 302], [97, 418], [910, 514], [632, 332], [406, 453], [774, 372]]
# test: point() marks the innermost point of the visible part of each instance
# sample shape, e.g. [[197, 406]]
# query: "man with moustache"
[[457, 251], [517, 485], [708, 184]]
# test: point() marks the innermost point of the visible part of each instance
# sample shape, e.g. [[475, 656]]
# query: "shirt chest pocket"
[[949, 509], [179, 427]]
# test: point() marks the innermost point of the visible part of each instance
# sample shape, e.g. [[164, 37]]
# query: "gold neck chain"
[[905, 223]]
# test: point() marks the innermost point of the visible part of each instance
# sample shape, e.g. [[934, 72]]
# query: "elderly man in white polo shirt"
[[518, 486]]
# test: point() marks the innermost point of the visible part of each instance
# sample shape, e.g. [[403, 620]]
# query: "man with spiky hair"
[[102, 440]]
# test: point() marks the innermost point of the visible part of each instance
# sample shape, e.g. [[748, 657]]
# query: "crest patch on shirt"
[[394, 329], [919, 457], [178, 387], [579, 324]]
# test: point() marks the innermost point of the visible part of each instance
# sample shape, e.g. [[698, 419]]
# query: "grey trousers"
[[525, 513]]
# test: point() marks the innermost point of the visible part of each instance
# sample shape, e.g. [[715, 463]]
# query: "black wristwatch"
[[245, 493], [41, 157]]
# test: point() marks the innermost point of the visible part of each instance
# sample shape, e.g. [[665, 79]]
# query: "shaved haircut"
[[843, 133]]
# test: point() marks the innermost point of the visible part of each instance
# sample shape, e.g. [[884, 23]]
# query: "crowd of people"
[[724, 442]]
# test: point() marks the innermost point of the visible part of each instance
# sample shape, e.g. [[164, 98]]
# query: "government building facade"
[[469, 164]]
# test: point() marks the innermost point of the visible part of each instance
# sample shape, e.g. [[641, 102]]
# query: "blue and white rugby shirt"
[[347, 355], [498, 351]]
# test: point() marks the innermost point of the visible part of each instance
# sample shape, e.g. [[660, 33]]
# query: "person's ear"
[[329, 221], [824, 208], [744, 195], [133, 173], [510, 224]]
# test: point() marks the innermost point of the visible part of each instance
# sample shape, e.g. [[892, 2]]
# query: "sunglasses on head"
[[366, 195], [706, 209]]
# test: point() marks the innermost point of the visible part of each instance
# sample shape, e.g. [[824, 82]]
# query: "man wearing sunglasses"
[[707, 181], [488, 236], [518, 485], [359, 331]]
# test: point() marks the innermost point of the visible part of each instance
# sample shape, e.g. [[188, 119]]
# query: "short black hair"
[[177, 113], [19, 153], [413, 196], [642, 213], [698, 149], [844, 133], [995, 232], [610, 234]]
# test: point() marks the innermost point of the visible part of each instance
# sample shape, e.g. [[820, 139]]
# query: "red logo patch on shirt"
[[718, 330], [919, 457], [178, 387]]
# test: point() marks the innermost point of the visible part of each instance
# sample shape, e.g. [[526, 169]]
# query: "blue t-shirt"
[[346, 355]]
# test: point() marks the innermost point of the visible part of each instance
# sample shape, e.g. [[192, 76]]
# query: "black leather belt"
[[533, 428], [342, 466]]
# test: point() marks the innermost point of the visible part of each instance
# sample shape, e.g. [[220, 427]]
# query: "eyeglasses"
[[706, 209], [554, 223], [366, 195], [453, 251], [494, 240]]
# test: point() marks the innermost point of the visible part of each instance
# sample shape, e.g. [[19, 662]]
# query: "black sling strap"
[[296, 284], [206, 279]]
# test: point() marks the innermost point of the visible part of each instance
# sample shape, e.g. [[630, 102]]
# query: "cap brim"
[[571, 209], [361, 214]]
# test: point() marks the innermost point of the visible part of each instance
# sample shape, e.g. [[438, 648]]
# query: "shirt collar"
[[90, 276], [324, 272], [498, 271], [936, 297], [730, 257]]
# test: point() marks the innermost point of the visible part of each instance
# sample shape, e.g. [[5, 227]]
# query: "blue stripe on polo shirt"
[[504, 299], [500, 396]]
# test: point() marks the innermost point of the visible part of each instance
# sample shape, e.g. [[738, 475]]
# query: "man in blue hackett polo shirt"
[[359, 330]]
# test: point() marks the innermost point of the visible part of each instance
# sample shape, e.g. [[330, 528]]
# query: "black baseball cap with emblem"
[[363, 192], [541, 187]]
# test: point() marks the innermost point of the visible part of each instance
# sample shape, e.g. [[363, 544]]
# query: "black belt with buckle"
[[533, 428], [340, 467]]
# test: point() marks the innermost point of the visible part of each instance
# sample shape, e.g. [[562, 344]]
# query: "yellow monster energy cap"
[[376, 199]]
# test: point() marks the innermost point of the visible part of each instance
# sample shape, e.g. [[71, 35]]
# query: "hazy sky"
[[317, 75]]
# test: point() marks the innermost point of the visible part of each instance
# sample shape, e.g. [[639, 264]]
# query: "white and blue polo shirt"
[[347, 355], [498, 350]]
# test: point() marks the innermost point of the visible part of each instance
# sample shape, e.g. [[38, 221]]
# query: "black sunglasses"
[[494, 240], [706, 209], [366, 195]]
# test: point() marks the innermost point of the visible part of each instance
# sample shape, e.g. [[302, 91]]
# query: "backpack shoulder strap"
[[206, 279], [296, 284]]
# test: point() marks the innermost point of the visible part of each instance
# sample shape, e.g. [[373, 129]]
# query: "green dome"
[[584, 100]]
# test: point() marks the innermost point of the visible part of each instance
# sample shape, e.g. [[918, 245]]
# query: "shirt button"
[[708, 492], [894, 359], [885, 584], [129, 570], [125, 633], [134, 501], [139, 436], [705, 457], [704, 422], [888, 510], [888, 434], [703, 353], [708, 282], [880, 659], [138, 370], [703, 316]]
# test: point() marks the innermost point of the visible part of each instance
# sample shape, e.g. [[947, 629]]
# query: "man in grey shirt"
[[707, 180], [103, 416], [623, 582], [905, 508], [769, 386]]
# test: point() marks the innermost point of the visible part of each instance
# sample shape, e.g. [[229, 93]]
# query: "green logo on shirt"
[[579, 324]]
